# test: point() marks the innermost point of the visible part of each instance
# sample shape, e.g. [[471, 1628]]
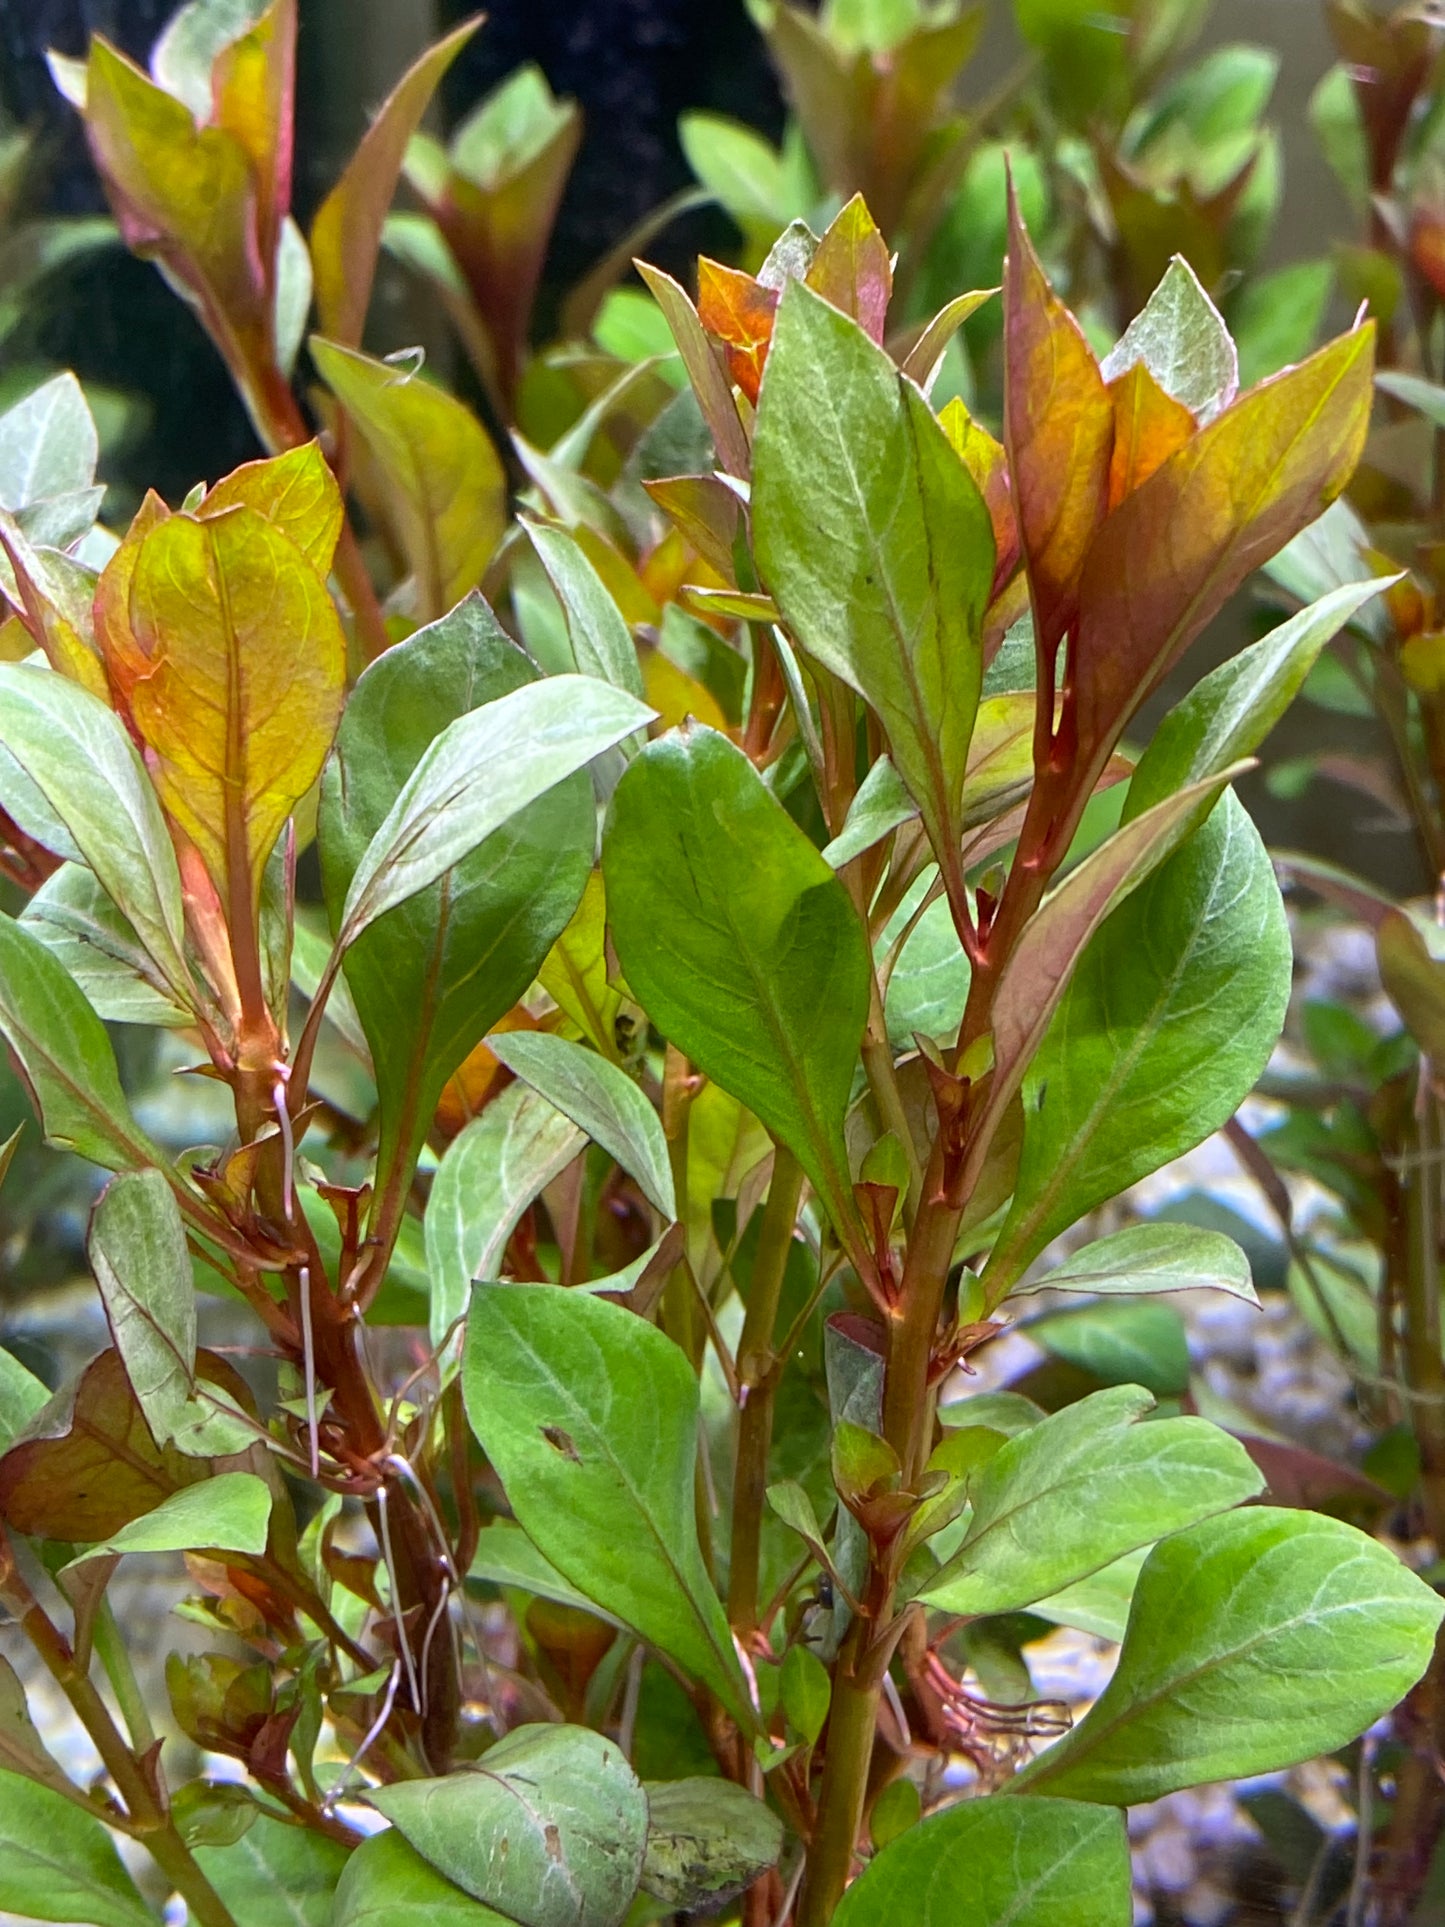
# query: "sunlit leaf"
[[448, 488], [229, 1512], [590, 1416]]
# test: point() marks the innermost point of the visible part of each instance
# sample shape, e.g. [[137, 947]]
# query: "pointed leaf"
[[874, 542], [1255, 1641], [80, 926], [448, 489], [1038, 971], [921, 362], [853, 268], [600, 1099], [65, 1057], [1059, 431], [385, 1881], [999, 1863], [1181, 339], [739, 941], [1148, 1258], [77, 753], [1079, 1490], [739, 311], [234, 683], [1162, 1032], [1149, 426], [56, 1863], [1235, 493], [505, 1556], [48, 444], [590, 1416], [710, 384], [436, 972], [882, 804], [475, 776], [22, 1395], [549, 1826], [601, 640], [346, 233], [1230, 712], [228, 1512], [491, 1172]]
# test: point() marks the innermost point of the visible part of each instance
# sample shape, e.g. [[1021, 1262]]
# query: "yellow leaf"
[[675, 695], [184, 194], [574, 975], [297, 494], [235, 686], [449, 488]]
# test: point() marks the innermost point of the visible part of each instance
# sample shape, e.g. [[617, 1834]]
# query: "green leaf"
[[79, 756], [1229, 713], [491, 1172], [707, 1841], [1427, 397], [738, 167], [601, 640], [928, 984], [1255, 1641], [550, 1827], [277, 1873], [56, 1863], [1124, 1344], [881, 804], [505, 1556], [65, 1057], [740, 942], [806, 1692], [1278, 317], [447, 487], [385, 1882], [138, 1253], [1079, 1490], [874, 542], [21, 1748], [477, 775], [228, 1512], [48, 444], [600, 1099], [434, 973], [1170, 1018], [193, 40], [1099, 1603], [22, 1395], [1151, 1257], [590, 1417], [1039, 971], [81, 927], [999, 1863], [1181, 339]]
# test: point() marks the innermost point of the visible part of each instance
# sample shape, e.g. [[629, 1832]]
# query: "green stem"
[[137, 1783], [852, 1723], [114, 1656], [757, 1374]]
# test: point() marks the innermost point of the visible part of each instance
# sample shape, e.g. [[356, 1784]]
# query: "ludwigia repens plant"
[[699, 1095]]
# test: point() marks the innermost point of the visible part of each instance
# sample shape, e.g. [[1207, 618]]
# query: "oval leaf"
[[590, 1416], [1254, 1641], [1082, 1488], [707, 1841], [549, 1827], [731, 929], [386, 1882], [999, 1863], [56, 1863]]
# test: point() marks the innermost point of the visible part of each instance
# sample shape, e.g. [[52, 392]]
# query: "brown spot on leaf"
[[561, 1441]]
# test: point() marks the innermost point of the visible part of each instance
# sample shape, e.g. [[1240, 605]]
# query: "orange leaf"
[[1149, 426], [853, 268], [739, 311], [296, 492], [113, 633], [235, 686], [1180, 545], [346, 234], [1059, 431]]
